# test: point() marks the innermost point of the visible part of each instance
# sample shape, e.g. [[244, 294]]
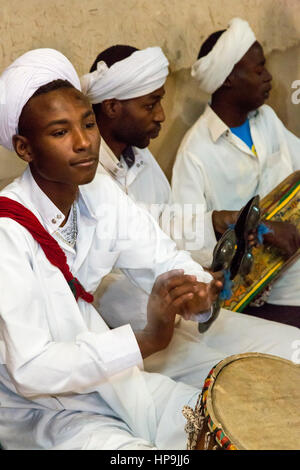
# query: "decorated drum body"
[[249, 401]]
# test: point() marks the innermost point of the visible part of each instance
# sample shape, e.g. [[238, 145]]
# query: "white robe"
[[217, 169], [66, 379], [146, 184]]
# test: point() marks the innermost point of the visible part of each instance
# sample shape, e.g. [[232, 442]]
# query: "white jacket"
[[215, 168]]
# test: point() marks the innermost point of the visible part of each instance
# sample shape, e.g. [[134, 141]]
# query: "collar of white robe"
[[139, 74], [212, 70]]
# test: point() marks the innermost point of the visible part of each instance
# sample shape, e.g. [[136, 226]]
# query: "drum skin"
[[251, 401]]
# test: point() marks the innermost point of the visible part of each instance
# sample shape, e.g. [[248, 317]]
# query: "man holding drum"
[[239, 148]]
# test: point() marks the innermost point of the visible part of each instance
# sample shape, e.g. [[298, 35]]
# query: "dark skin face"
[[131, 122], [63, 144], [251, 79], [246, 88]]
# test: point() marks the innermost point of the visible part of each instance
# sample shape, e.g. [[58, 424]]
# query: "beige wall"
[[82, 28]]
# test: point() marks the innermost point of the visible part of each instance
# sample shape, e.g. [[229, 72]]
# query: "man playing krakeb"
[[66, 380], [239, 148]]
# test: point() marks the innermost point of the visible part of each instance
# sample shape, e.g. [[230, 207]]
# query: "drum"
[[249, 401], [283, 204]]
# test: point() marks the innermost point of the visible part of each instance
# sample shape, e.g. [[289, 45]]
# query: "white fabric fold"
[[212, 70], [139, 74], [20, 81]]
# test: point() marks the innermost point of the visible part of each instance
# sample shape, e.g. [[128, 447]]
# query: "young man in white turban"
[[239, 148], [126, 87], [66, 380]]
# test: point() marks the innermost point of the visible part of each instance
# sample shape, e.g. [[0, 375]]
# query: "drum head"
[[255, 399]]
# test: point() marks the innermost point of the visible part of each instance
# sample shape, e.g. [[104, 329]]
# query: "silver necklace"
[[68, 233]]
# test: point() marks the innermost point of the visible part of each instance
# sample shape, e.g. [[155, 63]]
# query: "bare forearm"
[[147, 344]]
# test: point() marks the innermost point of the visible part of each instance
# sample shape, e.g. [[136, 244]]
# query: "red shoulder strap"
[[16, 211]]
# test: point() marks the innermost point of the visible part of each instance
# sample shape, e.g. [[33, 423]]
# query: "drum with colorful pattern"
[[249, 401]]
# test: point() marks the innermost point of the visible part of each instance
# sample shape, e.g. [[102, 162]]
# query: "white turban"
[[212, 70], [139, 74], [22, 79]]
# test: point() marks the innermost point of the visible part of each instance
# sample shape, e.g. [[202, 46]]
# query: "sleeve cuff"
[[202, 317], [117, 349]]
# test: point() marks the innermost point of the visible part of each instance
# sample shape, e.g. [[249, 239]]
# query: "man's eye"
[[150, 107], [90, 125], [260, 70], [59, 133]]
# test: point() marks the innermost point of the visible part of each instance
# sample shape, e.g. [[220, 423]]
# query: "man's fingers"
[[168, 275], [218, 275], [215, 288], [165, 282], [185, 288], [181, 300]]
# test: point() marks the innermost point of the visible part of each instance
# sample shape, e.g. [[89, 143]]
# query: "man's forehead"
[[58, 101], [62, 104], [61, 97], [156, 94], [255, 53]]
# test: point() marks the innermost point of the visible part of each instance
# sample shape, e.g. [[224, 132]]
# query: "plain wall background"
[[83, 28]]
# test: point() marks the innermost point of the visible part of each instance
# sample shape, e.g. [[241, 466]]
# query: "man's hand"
[[203, 298], [284, 236], [217, 275], [173, 293], [222, 219]]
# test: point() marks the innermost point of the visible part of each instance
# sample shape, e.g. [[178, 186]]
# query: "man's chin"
[[142, 145], [87, 179]]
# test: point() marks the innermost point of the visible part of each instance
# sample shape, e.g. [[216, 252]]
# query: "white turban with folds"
[[22, 79], [212, 70], [139, 74]]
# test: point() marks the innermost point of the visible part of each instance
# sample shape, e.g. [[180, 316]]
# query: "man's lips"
[[267, 90], [155, 132], [84, 162]]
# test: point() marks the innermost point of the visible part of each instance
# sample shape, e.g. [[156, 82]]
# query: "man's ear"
[[233, 78], [112, 108], [229, 80], [22, 147]]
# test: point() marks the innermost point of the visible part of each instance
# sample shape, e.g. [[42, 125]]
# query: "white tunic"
[[146, 184], [214, 167], [58, 354]]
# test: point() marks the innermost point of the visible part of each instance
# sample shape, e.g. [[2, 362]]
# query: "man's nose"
[[268, 76], [159, 113], [81, 140]]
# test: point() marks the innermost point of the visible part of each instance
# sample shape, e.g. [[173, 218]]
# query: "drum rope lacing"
[[207, 440], [194, 425]]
